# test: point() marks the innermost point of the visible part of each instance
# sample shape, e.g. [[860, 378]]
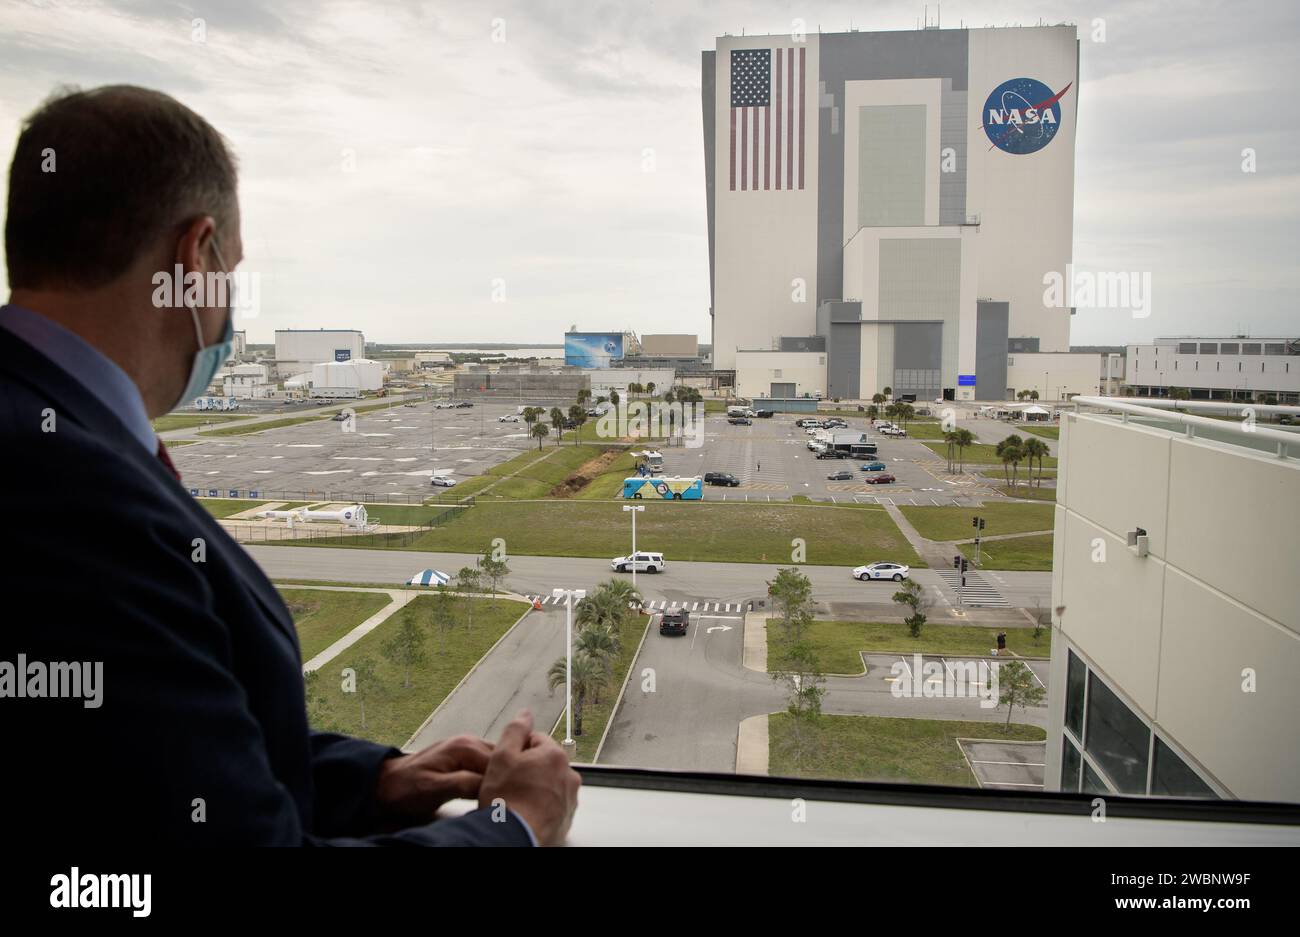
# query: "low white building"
[[1236, 368], [359, 373], [1055, 375], [765, 373], [603, 380], [247, 382], [1177, 627]]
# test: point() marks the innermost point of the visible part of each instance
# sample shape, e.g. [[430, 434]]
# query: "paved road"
[[701, 693], [726, 582], [512, 677]]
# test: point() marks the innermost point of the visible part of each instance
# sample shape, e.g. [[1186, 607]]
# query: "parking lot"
[[393, 451], [771, 459]]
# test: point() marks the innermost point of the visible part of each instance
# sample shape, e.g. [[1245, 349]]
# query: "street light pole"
[[634, 508], [570, 596]]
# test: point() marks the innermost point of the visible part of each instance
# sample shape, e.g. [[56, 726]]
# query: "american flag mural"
[[767, 118]]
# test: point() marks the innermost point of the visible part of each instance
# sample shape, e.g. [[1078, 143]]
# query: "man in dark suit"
[[150, 677]]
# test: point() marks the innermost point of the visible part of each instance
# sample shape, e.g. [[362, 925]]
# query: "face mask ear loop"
[[194, 313]]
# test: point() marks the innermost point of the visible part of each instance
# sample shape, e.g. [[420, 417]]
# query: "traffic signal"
[[977, 523], [965, 565], [956, 562]]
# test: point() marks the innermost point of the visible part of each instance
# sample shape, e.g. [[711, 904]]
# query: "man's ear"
[[194, 244]]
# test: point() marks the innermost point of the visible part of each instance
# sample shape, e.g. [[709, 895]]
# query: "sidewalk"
[[937, 554]]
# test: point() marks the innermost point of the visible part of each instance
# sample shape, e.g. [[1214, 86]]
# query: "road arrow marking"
[[713, 628]]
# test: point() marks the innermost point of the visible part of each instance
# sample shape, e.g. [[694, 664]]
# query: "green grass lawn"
[[983, 454], [322, 617], [954, 523], [924, 430], [837, 643], [882, 748], [733, 532], [225, 507], [172, 421], [1024, 553], [244, 429], [595, 716], [394, 711], [1026, 491], [1047, 432]]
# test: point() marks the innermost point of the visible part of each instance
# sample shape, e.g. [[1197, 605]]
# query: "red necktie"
[[166, 460]]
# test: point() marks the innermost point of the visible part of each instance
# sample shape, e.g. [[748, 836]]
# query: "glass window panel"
[[1117, 738], [1071, 761], [1076, 674], [1171, 776], [1092, 782]]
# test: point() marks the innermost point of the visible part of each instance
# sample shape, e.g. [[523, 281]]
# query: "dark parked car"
[[740, 421], [674, 621], [464, 404], [882, 479], [764, 414], [840, 476], [726, 479], [832, 454]]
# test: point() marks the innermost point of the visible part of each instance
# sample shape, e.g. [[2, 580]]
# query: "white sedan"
[[442, 481], [508, 418], [895, 571]]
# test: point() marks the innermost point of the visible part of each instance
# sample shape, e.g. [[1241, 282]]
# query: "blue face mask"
[[209, 357]]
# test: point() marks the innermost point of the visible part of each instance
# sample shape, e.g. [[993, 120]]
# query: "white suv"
[[642, 562]]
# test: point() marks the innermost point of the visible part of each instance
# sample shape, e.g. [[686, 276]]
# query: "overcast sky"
[[525, 160]]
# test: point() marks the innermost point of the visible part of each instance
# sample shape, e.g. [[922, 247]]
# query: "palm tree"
[[622, 592], [588, 677], [602, 645], [613, 397], [1035, 448], [905, 412], [1011, 451], [541, 431], [878, 399], [557, 420], [579, 416], [964, 438], [650, 388], [951, 439]]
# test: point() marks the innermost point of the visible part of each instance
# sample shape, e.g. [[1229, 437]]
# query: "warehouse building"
[[296, 350], [900, 195]]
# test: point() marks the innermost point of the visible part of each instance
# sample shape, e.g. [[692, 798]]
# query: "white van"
[[642, 562]]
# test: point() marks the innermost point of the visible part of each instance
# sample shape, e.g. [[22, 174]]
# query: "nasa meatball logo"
[[1022, 115]]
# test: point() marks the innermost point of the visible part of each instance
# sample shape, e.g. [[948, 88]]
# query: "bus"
[[664, 489]]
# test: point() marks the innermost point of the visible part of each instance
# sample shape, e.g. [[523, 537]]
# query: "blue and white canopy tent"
[[429, 577]]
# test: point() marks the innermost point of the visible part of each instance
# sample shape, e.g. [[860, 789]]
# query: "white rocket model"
[[354, 516]]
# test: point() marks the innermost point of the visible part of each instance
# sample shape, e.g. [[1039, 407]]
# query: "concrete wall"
[[1054, 376], [315, 345], [757, 371], [1161, 366], [672, 346], [521, 386], [1179, 632]]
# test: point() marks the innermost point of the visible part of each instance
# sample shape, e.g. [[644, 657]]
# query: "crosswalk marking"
[[977, 590], [656, 605]]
